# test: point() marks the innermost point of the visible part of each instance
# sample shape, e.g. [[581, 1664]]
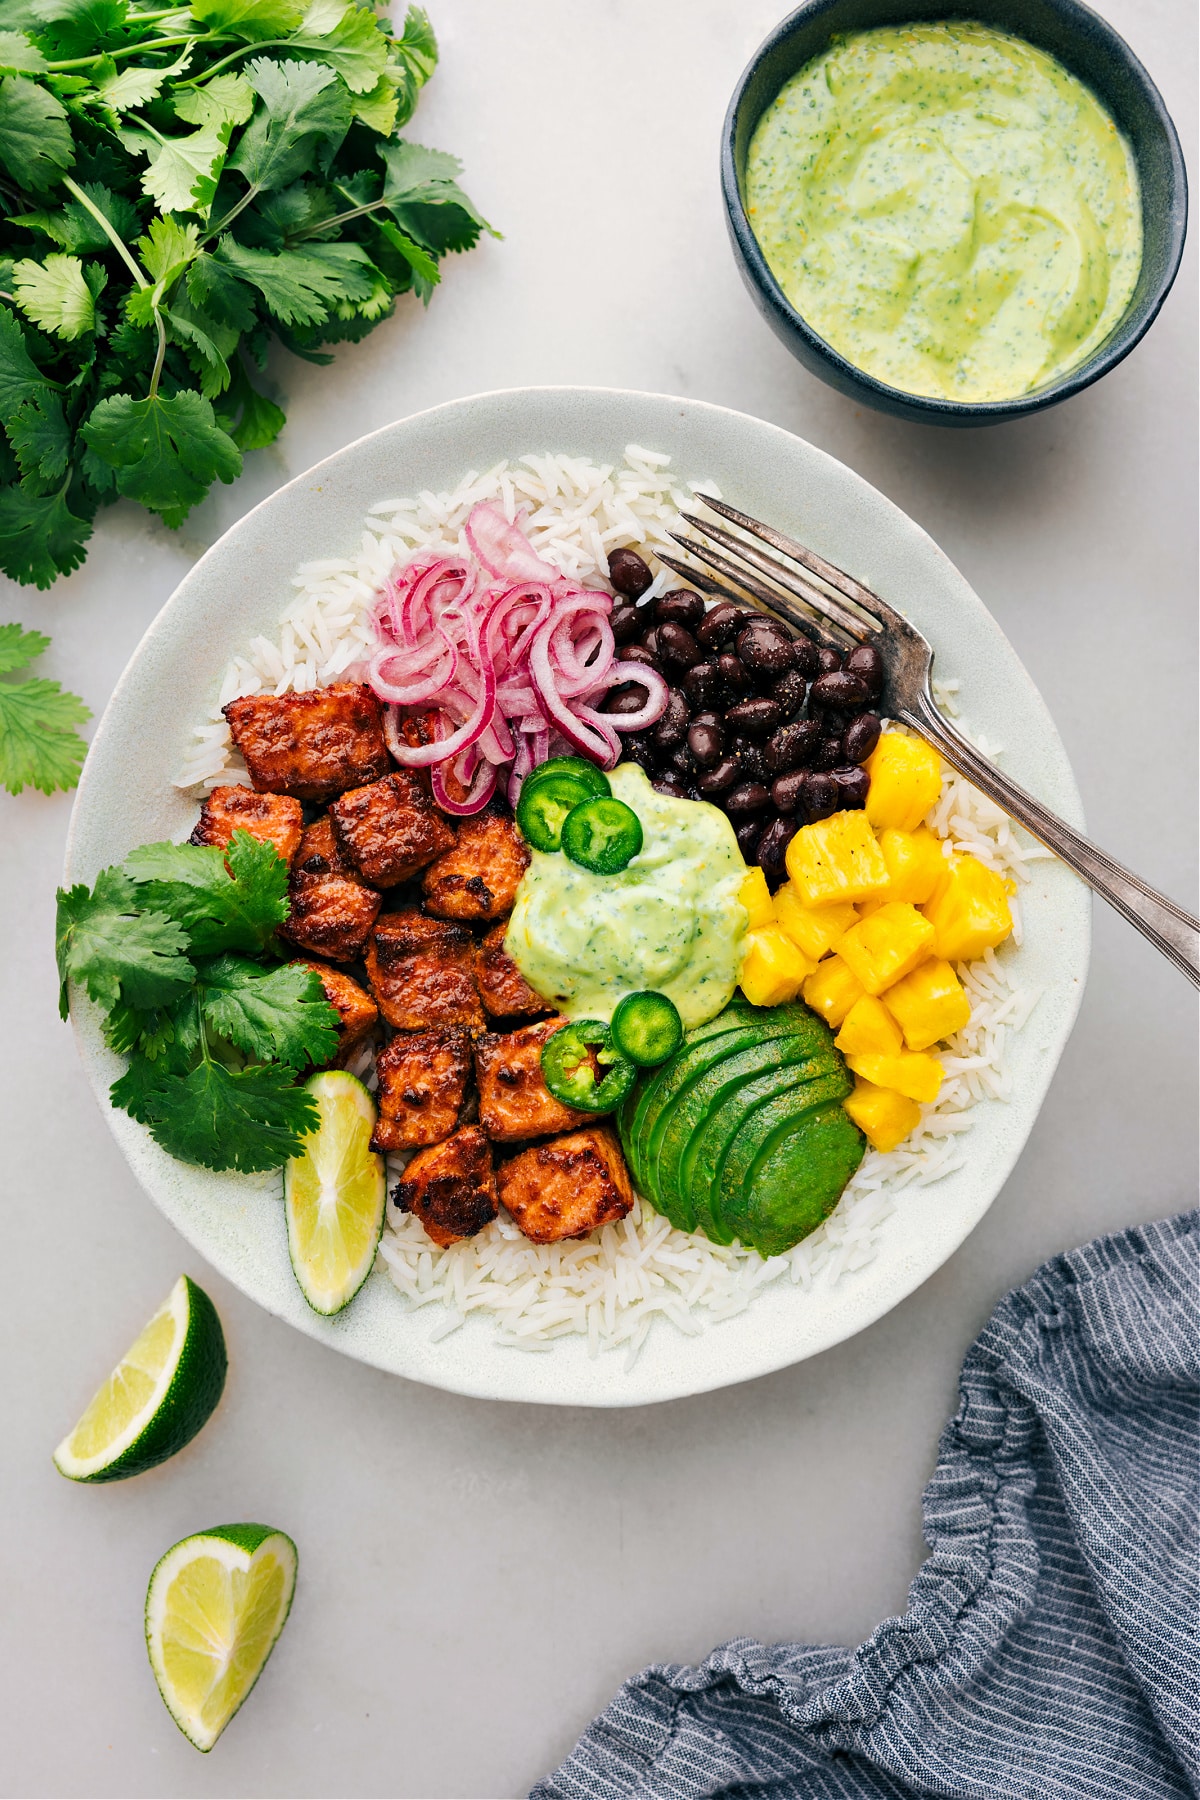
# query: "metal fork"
[[834, 610]]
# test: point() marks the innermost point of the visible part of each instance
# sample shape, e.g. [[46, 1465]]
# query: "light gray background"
[[477, 1579]]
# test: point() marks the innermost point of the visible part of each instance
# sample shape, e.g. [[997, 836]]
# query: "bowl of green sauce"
[[958, 220]]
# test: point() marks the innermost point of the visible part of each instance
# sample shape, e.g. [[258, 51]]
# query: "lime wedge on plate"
[[214, 1608], [334, 1194], [158, 1396]]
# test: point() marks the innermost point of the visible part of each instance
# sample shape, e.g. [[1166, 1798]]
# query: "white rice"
[[613, 1285]]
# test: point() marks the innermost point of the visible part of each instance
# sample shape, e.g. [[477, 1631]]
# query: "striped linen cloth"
[[1049, 1650]]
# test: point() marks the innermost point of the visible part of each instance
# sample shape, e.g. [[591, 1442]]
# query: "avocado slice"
[[704, 1157], [758, 1133], [797, 1180], [643, 1095]]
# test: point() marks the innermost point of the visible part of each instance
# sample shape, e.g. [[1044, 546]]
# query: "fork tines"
[[789, 591]]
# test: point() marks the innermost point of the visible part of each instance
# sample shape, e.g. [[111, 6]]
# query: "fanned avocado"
[[705, 1155], [758, 1132], [797, 1180], [644, 1096]]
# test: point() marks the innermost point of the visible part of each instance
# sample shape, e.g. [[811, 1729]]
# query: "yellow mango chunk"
[[915, 863], [882, 948], [831, 990], [869, 1030], [772, 968], [836, 859], [817, 929], [969, 911], [755, 896], [884, 1116], [908, 1072], [929, 1004], [906, 779]]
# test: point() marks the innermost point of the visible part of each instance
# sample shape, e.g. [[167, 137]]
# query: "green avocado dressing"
[[671, 920], [948, 207]]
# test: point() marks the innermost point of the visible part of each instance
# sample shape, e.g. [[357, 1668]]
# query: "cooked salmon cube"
[[503, 989], [477, 879], [272, 818], [568, 1187], [312, 745], [422, 972], [450, 1187], [514, 1101], [390, 830], [332, 909], [357, 1012], [423, 1079]]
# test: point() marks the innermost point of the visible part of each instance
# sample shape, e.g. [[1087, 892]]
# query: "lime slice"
[[214, 1608], [334, 1194], [158, 1396]]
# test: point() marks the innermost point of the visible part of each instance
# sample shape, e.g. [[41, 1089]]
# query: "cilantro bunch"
[[178, 948], [180, 186]]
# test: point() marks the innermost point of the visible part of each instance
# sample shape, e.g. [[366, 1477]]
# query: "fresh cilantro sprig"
[[179, 188], [39, 746], [178, 948]]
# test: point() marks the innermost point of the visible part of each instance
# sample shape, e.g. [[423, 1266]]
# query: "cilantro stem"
[[171, 43], [109, 229], [242, 50], [161, 353]]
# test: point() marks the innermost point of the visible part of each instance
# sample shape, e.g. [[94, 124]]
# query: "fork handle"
[[1167, 926]]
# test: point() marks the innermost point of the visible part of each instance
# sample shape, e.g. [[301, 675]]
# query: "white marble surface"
[[475, 1579]]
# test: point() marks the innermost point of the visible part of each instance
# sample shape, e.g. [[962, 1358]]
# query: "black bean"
[[703, 683], [677, 647], [787, 791], [638, 653], [751, 761], [790, 691], [793, 746], [840, 689], [755, 718], [682, 762], [771, 851], [708, 717], [747, 832], [866, 661], [828, 753], [820, 798], [719, 780], [765, 647], [682, 606], [852, 785], [629, 698], [733, 673], [747, 797], [636, 747], [628, 573], [828, 660], [671, 729], [806, 658], [671, 785], [706, 743], [650, 639], [720, 624], [861, 737], [627, 623]]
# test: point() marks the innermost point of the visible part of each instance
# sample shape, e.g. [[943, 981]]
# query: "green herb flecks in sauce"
[[671, 920], [948, 207]]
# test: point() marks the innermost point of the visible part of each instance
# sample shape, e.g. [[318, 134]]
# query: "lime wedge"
[[334, 1194], [158, 1396], [214, 1608]]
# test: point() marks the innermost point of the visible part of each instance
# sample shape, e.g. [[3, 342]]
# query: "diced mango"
[[884, 947], [885, 1116], [969, 911], [929, 1004], [755, 896], [906, 779], [909, 1072], [869, 1030], [831, 990], [915, 863], [836, 859], [817, 929], [772, 967]]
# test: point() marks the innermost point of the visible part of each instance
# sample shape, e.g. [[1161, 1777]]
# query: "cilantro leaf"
[[182, 172], [19, 55], [19, 647], [251, 420], [20, 378], [416, 57], [356, 47], [76, 228], [303, 117], [252, 20], [234, 908], [166, 451], [245, 1119], [301, 286], [40, 537], [278, 1014], [116, 952], [35, 139], [226, 98], [54, 294], [39, 434]]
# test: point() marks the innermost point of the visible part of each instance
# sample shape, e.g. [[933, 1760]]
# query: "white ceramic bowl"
[[239, 589]]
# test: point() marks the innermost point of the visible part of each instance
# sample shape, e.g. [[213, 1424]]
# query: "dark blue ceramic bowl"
[[1084, 44]]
